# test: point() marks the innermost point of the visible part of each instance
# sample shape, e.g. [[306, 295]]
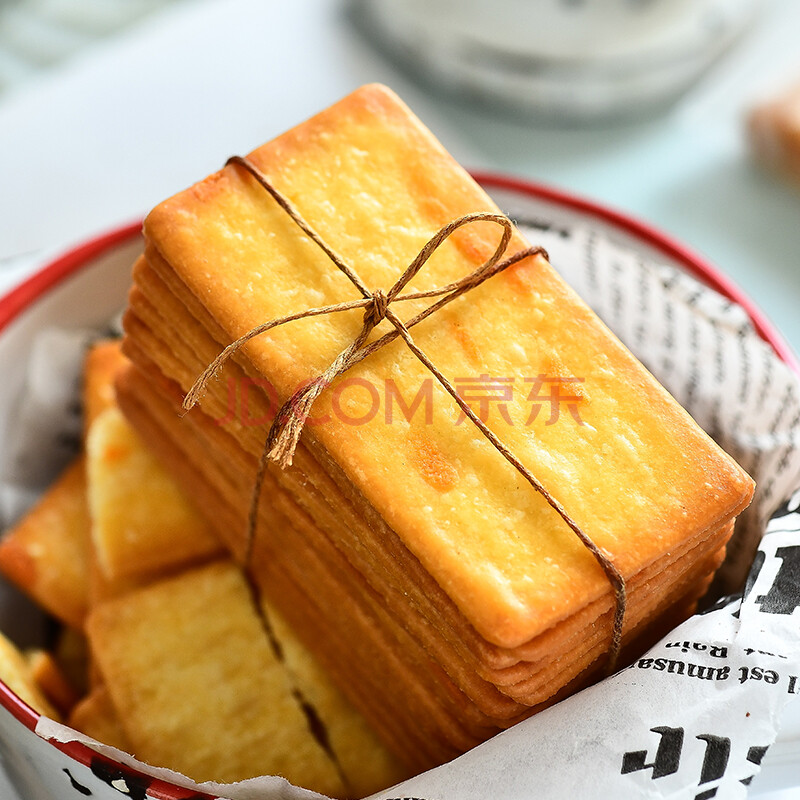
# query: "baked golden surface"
[[638, 476]]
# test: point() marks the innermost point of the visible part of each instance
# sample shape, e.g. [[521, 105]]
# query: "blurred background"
[[570, 59], [107, 106], [37, 35]]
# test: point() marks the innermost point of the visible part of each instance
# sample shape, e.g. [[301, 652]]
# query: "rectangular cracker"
[[142, 524], [47, 553], [189, 667]]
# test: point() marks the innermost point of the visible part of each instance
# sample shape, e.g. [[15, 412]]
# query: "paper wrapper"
[[693, 717]]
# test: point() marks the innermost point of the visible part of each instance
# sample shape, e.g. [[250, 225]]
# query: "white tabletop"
[[101, 140]]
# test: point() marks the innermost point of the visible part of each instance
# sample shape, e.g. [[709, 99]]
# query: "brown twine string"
[[287, 426]]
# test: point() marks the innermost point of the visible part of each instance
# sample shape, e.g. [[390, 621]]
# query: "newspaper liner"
[[694, 717]]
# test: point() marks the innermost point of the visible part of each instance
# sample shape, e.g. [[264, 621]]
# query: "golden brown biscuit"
[[198, 688], [15, 672], [138, 535], [142, 524], [96, 716], [50, 678], [103, 361], [196, 685], [47, 553]]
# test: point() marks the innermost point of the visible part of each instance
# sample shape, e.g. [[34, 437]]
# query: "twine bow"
[[284, 434]]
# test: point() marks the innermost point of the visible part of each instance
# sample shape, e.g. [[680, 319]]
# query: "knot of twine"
[[284, 433], [376, 312]]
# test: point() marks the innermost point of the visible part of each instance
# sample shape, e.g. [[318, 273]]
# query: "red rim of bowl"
[[28, 292]]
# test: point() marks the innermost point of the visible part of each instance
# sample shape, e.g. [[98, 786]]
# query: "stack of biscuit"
[[442, 593]]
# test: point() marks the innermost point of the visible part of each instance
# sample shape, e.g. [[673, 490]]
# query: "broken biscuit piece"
[[15, 672], [47, 554], [96, 716]]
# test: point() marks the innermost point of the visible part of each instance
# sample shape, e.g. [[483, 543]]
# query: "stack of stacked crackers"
[[445, 595]]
